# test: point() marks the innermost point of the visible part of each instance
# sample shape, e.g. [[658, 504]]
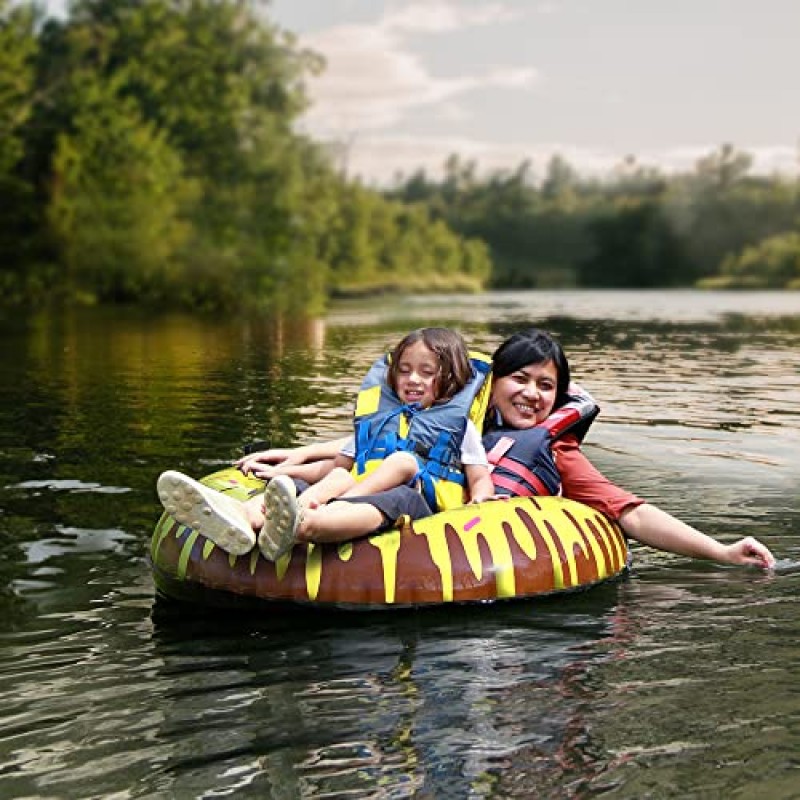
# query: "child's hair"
[[532, 346], [451, 352]]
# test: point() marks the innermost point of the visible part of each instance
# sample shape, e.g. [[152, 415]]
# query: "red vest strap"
[[520, 489], [496, 458], [501, 447], [524, 474]]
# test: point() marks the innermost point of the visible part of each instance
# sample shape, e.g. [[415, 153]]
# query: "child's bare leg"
[[396, 470], [334, 484], [254, 510], [286, 514], [338, 522]]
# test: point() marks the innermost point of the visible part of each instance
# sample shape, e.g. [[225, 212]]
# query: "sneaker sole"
[[280, 508], [195, 505]]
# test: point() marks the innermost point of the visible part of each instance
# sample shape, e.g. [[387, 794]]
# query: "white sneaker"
[[217, 517], [282, 516]]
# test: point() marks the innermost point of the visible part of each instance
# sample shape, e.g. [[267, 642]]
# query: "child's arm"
[[268, 463], [479, 482], [476, 466]]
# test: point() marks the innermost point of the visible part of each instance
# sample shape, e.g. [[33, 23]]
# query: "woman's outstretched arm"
[[643, 521], [650, 525]]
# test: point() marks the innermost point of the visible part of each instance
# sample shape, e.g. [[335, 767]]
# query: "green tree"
[[116, 202], [18, 217], [17, 52], [773, 263], [635, 246]]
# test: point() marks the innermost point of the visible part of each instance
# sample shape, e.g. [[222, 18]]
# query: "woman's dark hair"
[[451, 352], [532, 346]]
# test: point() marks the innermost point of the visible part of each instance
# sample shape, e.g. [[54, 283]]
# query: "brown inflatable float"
[[502, 549]]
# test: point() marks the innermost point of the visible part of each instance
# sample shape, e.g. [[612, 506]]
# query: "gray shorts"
[[394, 504]]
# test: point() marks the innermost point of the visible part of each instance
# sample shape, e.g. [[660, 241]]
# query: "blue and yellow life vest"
[[384, 425], [521, 461]]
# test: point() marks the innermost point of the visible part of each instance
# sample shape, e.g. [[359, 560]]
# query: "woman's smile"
[[526, 397]]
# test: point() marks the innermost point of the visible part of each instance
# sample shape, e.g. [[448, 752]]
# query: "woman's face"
[[526, 397]]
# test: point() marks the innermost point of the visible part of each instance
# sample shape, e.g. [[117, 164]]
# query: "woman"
[[530, 379], [531, 374]]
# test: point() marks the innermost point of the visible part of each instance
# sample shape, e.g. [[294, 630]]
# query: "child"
[[412, 426]]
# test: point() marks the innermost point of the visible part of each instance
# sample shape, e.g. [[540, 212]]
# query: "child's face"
[[417, 375], [526, 397]]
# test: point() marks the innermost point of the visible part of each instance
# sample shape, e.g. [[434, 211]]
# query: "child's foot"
[[281, 518], [217, 517]]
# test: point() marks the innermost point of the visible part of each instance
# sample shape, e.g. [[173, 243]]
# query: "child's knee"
[[404, 462]]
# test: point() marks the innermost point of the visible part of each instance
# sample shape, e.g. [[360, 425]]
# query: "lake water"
[[679, 681]]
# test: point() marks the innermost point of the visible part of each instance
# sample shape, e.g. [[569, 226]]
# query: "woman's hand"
[[750, 551]]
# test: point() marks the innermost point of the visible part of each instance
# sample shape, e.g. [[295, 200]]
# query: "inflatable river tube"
[[498, 550]]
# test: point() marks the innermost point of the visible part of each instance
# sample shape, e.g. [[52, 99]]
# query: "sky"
[[409, 82]]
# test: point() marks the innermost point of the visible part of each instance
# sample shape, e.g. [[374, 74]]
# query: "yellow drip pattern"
[[165, 525], [253, 560], [282, 564], [616, 541], [503, 563], [604, 562], [345, 551], [388, 546], [558, 572], [569, 538], [440, 555], [594, 544], [469, 541], [500, 553], [313, 571], [186, 552], [523, 537], [208, 549]]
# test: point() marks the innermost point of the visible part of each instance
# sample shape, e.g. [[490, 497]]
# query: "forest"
[[150, 155], [716, 227]]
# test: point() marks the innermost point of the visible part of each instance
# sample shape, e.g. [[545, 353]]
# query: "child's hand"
[[482, 498], [267, 463]]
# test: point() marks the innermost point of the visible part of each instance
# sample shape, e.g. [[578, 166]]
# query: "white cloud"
[[453, 112], [373, 80], [436, 16]]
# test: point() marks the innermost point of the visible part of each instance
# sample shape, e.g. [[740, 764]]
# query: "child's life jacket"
[[384, 425]]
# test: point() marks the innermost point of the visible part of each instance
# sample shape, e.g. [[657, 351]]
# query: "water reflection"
[[445, 703]]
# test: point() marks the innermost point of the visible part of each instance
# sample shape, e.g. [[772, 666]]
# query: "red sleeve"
[[581, 481]]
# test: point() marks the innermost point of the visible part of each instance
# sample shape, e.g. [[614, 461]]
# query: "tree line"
[[717, 226], [148, 154]]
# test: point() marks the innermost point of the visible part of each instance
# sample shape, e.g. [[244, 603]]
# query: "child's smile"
[[417, 374]]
